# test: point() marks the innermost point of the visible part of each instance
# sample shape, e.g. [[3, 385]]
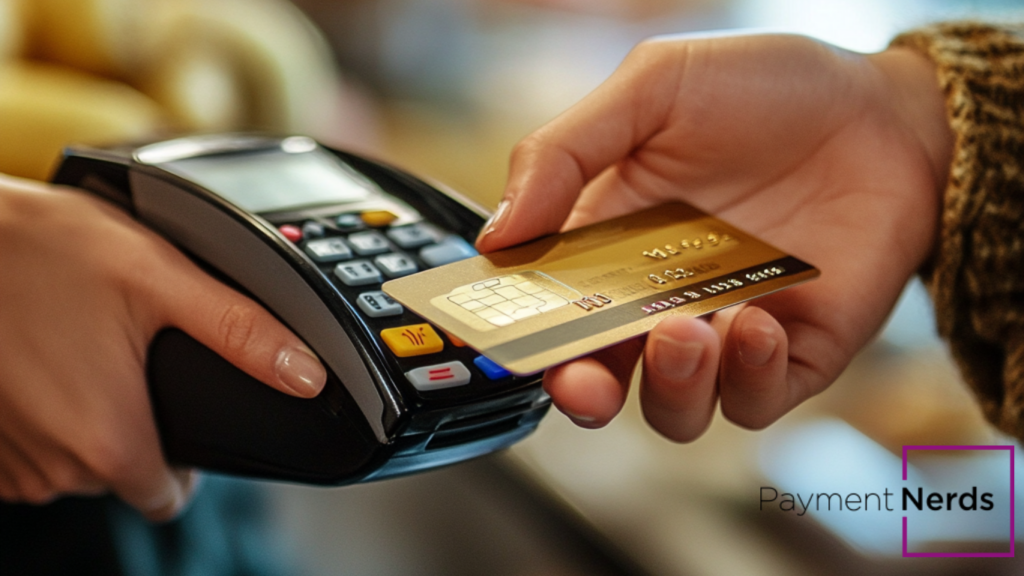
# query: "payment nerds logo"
[[926, 508]]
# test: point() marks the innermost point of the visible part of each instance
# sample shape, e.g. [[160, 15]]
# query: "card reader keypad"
[[359, 251]]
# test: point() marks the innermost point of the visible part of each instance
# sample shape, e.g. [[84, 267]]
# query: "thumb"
[[239, 330], [164, 495], [550, 167]]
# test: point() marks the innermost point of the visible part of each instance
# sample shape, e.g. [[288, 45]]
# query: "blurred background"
[[444, 88]]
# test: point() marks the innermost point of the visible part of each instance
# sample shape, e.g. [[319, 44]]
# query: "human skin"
[[84, 289], [836, 157]]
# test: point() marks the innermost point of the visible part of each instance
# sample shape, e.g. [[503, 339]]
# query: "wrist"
[[975, 280], [918, 101]]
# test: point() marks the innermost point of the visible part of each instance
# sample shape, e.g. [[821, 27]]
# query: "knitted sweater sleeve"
[[976, 276]]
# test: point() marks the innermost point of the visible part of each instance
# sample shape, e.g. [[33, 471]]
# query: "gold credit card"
[[543, 303]]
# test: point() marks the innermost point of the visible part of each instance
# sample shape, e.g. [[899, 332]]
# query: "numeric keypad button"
[[378, 305], [413, 236], [328, 250], [395, 265], [451, 249], [368, 243], [357, 273]]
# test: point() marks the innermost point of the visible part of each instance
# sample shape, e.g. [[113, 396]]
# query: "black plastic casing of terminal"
[[213, 416]]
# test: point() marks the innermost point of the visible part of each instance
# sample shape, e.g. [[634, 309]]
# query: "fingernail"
[[189, 480], [492, 223], [188, 483], [170, 505], [579, 419], [676, 361], [165, 513], [300, 371], [756, 347]]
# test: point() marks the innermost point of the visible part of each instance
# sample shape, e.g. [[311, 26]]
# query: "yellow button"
[[415, 340], [378, 218]]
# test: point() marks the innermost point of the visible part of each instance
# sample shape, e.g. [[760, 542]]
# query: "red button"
[[293, 233]]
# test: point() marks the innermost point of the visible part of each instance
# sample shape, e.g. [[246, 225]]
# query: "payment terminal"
[[311, 233]]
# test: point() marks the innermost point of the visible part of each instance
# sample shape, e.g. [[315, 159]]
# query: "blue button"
[[490, 369], [451, 249]]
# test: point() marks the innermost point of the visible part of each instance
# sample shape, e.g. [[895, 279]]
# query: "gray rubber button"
[[413, 236], [368, 243], [357, 273], [396, 265], [312, 229], [451, 249], [378, 305], [328, 250], [349, 222]]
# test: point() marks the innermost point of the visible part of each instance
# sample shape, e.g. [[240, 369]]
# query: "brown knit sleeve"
[[977, 276]]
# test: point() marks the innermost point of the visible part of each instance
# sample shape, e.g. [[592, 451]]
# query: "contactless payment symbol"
[[414, 340]]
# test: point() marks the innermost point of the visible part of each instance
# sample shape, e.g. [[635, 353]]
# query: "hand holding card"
[[836, 157]]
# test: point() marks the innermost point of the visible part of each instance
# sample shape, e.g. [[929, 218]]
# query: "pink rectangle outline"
[[1009, 554]]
